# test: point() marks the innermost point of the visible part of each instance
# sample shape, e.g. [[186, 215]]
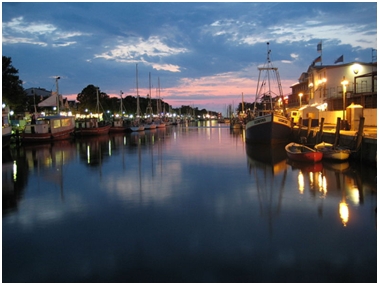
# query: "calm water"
[[185, 204]]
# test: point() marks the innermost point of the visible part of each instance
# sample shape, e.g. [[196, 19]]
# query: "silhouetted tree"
[[88, 99], [13, 93]]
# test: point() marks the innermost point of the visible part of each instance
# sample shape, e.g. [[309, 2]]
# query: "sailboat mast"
[[243, 106], [56, 84], [97, 101], [268, 74], [159, 97], [121, 102], [138, 109]]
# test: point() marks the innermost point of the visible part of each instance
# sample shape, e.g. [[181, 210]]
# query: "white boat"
[[333, 152], [49, 128], [271, 125]]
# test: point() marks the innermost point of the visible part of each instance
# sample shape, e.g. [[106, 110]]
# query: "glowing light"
[[300, 180], [88, 155], [322, 183], [14, 170], [356, 68], [344, 213]]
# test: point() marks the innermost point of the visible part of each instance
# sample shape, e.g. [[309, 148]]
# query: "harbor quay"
[[363, 151]]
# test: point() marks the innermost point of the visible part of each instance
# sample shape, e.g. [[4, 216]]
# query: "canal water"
[[184, 204]]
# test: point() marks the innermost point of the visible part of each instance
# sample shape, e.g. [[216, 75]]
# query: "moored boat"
[[333, 152], [49, 128], [91, 127], [300, 152], [119, 125], [269, 126], [137, 125]]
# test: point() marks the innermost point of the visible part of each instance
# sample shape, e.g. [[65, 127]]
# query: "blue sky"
[[205, 54]]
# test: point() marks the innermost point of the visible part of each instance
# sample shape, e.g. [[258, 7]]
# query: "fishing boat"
[[333, 152], [119, 124], [7, 128], [269, 125], [300, 152], [49, 128], [92, 126]]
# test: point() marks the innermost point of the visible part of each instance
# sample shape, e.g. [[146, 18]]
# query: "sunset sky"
[[205, 54]]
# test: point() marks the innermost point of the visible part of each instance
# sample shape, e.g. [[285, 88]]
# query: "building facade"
[[334, 87]]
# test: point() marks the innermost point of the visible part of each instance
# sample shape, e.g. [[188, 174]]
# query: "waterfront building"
[[322, 86], [330, 91]]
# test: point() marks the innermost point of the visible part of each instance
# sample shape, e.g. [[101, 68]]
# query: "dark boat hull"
[[95, 131], [268, 129]]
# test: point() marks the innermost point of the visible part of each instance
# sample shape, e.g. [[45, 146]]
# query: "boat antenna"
[[268, 52]]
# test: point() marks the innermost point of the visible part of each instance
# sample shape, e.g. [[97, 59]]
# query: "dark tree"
[[13, 93], [88, 99]]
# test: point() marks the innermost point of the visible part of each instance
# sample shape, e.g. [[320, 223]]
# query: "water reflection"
[[321, 181], [138, 207], [44, 161], [268, 165]]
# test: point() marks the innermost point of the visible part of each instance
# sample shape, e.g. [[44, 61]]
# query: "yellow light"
[[300, 180], [300, 95], [356, 68], [344, 213]]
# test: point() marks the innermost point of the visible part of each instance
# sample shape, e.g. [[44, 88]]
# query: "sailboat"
[[92, 126], [269, 126], [149, 124], [159, 122], [237, 121], [136, 124]]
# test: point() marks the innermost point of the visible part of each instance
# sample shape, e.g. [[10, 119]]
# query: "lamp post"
[[300, 95], [344, 83]]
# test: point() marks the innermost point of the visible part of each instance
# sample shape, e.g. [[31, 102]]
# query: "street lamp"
[[300, 95], [344, 83]]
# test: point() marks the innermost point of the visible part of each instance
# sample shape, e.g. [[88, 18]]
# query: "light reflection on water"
[[184, 204]]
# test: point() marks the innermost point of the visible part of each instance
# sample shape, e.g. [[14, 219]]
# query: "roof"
[[38, 92]]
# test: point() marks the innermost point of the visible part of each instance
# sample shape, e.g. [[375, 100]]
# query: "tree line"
[[15, 97]]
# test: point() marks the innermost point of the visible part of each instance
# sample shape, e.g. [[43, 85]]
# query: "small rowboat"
[[300, 152], [333, 152]]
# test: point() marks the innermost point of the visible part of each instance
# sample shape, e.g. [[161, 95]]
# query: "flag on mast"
[[319, 47], [340, 59], [318, 59]]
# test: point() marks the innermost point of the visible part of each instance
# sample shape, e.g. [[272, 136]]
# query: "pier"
[[362, 142]]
